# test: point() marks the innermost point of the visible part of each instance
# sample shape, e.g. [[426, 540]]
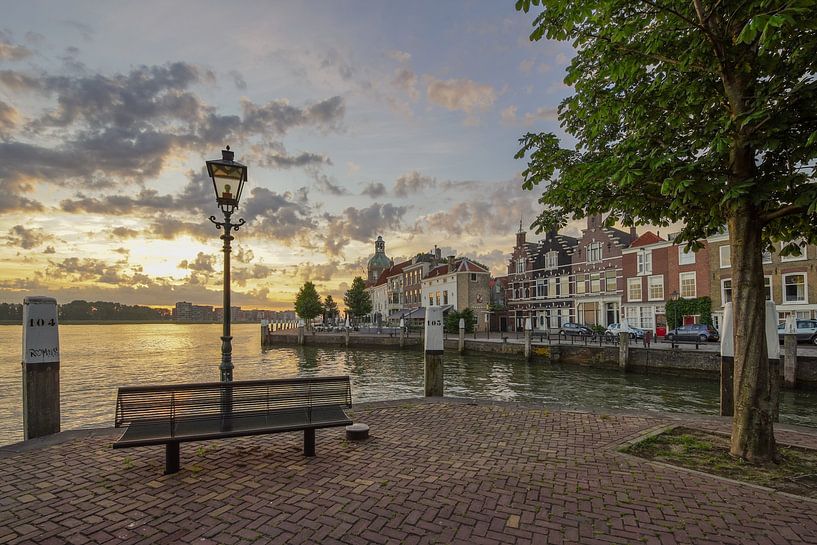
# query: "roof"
[[646, 239], [391, 271], [463, 264]]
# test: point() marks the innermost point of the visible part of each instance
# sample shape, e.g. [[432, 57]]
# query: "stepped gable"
[[646, 239], [622, 239]]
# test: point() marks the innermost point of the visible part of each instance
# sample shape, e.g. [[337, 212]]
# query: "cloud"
[[509, 116], [27, 239], [406, 80], [412, 182], [526, 66], [399, 56], [374, 190], [238, 80], [203, 263], [112, 130], [324, 184], [278, 116], [258, 271], [284, 217], [460, 94], [13, 52], [9, 118], [495, 211], [360, 224]]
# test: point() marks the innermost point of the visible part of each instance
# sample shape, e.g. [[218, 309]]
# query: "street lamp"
[[228, 180], [674, 296]]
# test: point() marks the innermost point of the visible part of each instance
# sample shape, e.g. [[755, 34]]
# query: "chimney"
[[633, 234], [450, 263], [594, 221]]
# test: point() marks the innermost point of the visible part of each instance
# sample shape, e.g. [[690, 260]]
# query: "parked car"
[[569, 329], [614, 329], [806, 331], [694, 332]]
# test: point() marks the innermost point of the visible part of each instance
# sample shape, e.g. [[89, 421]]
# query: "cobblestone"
[[432, 472]]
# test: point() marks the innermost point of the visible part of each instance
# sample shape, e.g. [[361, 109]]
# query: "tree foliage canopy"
[[668, 95], [308, 302], [330, 308], [357, 300], [452, 320]]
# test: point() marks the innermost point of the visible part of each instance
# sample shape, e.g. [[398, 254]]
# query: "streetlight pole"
[[228, 180]]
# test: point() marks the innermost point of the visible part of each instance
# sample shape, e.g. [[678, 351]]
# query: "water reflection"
[[99, 358]]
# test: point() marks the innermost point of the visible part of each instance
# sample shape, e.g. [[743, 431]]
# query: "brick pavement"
[[433, 472]]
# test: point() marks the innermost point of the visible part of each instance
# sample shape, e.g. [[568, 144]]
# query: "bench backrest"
[[205, 400]]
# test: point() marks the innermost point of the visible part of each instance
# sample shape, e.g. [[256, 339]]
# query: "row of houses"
[[403, 290], [607, 274], [188, 312]]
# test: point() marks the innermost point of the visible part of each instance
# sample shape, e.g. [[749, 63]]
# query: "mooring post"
[[301, 326], [790, 353], [527, 339], [41, 367], [727, 362], [402, 332], [461, 345], [773, 348], [434, 352]]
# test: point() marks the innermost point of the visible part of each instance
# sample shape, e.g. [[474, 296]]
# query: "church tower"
[[379, 262]]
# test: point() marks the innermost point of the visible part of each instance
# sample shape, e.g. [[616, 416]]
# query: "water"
[[96, 359]]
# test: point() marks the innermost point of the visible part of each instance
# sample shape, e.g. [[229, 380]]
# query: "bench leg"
[[171, 457], [309, 442]]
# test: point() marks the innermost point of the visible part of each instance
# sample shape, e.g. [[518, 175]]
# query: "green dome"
[[379, 261]]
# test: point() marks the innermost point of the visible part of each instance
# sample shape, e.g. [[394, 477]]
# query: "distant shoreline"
[[126, 322]]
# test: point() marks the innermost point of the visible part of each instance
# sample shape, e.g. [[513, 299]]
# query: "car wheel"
[[670, 337], [563, 334], [632, 335], [703, 338], [814, 340]]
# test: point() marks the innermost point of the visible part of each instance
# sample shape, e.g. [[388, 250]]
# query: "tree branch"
[[783, 211]]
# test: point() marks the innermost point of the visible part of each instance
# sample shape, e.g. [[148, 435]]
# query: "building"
[[378, 263], [791, 281], [188, 312], [387, 294], [598, 273], [460, 284], [538, 281], [498, 304]]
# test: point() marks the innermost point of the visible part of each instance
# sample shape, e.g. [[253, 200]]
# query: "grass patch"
[[708, 452]]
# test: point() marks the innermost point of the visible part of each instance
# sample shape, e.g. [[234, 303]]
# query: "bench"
[[176, 413]]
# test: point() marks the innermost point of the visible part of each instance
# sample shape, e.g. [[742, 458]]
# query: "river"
[[96, 359]]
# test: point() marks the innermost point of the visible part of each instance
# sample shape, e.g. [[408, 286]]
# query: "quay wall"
[[685, 362]]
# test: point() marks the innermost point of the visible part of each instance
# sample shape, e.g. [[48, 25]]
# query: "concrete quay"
[[433, 471]]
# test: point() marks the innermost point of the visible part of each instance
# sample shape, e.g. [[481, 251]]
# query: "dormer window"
[[551, 260]]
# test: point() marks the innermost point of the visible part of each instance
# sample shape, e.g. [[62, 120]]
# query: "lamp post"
[[228, 180], [674, 296]]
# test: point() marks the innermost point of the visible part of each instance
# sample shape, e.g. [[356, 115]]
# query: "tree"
[[308, 302], [689, 113], [452, 320], [357, 300], [330, 309]]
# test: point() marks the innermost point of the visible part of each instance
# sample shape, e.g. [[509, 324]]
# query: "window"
[[541, 287], [684, 257], [565, 285], [767, 257], [551, 260], [767, 283], [445, 297], [595, 283], [726, 256], [594, 252], [726, 290], [520, 265], [430, 299], [687, 282], [610, 282], [656, 287], [580, 285], [438, 297], [634, 289], [794, 288], [644, 262], [800, 257], [473, 277]]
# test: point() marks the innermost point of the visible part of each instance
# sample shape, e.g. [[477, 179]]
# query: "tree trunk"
[[752, 424]]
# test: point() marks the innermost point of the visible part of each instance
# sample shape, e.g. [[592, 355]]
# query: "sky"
[[355, 119]]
